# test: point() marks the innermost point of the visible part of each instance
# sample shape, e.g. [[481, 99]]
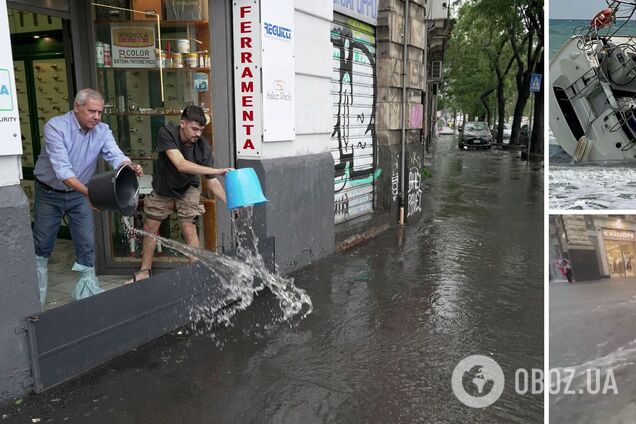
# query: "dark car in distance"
[[475, 134]]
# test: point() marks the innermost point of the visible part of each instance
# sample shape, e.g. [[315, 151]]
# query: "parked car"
[[444, 130], [507, 130], [475, 134]]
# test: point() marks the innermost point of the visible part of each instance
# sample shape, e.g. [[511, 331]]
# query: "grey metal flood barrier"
[[73, 338]]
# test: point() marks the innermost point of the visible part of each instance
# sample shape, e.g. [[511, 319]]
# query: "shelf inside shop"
[[170, 24], [110, 68], [142, 114]]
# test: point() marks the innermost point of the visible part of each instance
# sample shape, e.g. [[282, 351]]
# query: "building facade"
[[598, 246], [328, 101]]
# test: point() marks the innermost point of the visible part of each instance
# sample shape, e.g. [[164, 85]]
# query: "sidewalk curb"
[[357, 239]]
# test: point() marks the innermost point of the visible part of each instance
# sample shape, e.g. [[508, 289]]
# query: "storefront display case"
[[151, 63]]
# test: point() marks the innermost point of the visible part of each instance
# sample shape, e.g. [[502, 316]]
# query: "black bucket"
[[115, 191]]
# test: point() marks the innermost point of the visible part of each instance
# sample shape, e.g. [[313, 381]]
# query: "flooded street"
[[591, 328], [391, 319]]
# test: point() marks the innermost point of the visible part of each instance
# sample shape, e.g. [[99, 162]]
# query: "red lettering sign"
[[247, 85], [247, 72], [245, 10], [246, 57]]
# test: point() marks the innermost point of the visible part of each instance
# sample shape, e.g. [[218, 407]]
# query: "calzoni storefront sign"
[[613, 234], [11, 143], [133, 46]]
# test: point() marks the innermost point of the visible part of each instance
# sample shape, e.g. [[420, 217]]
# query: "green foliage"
[[482, 49]]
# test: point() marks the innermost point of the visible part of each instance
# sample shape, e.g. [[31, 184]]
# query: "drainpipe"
[[403, 137]]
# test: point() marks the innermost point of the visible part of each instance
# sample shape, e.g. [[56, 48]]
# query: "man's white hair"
[[87, 93]]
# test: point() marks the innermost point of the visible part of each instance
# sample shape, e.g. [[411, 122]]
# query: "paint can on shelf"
[[191, 60], [108, 61], [177, 60], [183, 45], [99, 54], [161, 58]]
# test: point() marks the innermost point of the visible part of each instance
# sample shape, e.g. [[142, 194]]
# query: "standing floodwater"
[[391, 319]]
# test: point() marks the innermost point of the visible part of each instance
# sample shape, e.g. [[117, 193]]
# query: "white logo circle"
[[478, 381]]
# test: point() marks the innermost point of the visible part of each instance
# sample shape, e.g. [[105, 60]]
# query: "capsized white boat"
[[592, 94]]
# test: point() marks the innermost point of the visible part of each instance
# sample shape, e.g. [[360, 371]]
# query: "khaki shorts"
[[159, 207]]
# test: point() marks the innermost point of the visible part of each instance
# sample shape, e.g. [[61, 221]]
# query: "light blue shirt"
[[69, 151]]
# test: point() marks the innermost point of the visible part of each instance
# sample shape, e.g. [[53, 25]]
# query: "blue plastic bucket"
[[243, 188]]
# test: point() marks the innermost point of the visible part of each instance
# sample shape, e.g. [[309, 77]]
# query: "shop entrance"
[[620, 258], [43, 81]]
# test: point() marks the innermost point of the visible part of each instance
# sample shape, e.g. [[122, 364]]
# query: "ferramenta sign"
[[264, 73]]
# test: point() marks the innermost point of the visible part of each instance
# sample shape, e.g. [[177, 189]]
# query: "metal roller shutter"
[[353, 90]]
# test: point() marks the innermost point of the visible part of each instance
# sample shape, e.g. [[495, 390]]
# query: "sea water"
[[599, 185], [241, 277]]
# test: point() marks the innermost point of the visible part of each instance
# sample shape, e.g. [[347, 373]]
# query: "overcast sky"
[[575, 9]]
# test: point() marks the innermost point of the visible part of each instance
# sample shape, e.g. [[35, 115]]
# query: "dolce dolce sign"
[[11, 143]]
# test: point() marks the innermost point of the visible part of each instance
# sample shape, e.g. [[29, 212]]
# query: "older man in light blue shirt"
[[72, 144]]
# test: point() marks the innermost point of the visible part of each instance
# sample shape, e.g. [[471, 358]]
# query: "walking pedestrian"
[[72, 144], [566, 269], [184, 155]]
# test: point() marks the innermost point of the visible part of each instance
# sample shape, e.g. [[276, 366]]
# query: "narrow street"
[[591, 327], [392, 318]]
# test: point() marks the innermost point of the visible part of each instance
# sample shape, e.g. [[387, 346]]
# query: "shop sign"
[[362, 10], [614, 234], [278, 64], [247, 79], [133, 46], [9, 114]]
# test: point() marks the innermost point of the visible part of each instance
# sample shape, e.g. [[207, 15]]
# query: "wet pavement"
[[392, 317], [591, 328]]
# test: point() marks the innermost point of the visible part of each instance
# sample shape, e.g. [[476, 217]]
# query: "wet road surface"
[[391, 319], [591, 328]]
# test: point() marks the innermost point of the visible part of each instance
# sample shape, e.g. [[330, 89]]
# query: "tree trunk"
[[501, 107], [523, 94], [484, 101], [536, 140]]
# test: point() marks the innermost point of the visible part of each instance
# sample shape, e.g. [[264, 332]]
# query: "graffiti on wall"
[[395, 181], [353, 135], [414, 186]]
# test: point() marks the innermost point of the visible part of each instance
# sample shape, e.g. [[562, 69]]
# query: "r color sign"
[[11, 143], [133, 46]]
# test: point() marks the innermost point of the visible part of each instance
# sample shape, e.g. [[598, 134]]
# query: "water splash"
[[241, 278]]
